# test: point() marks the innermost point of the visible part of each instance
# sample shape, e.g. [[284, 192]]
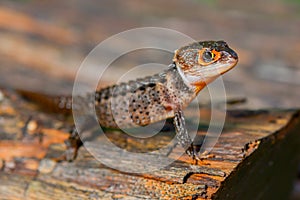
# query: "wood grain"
[[258, 148]]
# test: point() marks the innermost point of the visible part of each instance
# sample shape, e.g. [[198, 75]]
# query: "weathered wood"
[[255, 157]]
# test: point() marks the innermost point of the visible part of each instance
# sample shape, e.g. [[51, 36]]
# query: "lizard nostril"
[[229, 53], [233, 54]]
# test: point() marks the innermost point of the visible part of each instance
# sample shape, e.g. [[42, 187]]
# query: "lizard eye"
[[208, 56]]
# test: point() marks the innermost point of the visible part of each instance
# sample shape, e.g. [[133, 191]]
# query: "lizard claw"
[[73, 143], [191, 151]]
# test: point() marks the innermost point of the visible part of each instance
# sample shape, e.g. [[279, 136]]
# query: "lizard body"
[[164, 95]]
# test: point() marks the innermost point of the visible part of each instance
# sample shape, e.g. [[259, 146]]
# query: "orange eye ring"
[[207, 56], [217, 55]]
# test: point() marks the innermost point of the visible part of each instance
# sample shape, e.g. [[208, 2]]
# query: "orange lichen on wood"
[[52, 136], [31, 148], [7, 110], [10, 149]]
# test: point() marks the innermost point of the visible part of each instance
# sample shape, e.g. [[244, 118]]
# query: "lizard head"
[[202, 62]]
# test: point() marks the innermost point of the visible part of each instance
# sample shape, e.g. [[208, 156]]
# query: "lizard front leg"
[[173, 104], [182, 135]]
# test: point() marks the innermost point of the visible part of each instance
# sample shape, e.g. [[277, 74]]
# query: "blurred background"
[[42, 43]]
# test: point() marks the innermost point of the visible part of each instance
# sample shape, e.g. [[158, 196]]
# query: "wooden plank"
[[255, 157]]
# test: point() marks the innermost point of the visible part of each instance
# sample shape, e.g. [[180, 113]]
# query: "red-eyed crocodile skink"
[[163, 95]]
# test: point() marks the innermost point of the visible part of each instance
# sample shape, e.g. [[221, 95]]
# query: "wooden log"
[[256, 157]]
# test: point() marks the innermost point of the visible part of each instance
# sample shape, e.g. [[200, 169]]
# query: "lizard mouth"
[[228, 60]]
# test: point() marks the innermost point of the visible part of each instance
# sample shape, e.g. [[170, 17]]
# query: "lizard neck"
[[193, 82], [185, 92]]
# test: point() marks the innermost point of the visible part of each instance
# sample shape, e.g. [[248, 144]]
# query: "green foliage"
[[294, 1]]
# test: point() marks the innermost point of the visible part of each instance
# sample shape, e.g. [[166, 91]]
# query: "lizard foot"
[[191, 151], [73, 143]]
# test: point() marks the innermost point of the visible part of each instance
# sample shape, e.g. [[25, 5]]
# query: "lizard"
[[161, 96]]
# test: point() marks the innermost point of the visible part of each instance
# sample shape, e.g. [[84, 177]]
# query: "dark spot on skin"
[[142, 88], [151, 84], [98, 97], [147, 113]]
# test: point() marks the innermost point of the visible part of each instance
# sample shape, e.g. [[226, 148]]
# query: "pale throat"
[[196, 81]]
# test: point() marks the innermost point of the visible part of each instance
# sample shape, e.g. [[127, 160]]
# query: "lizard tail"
[[49, 103]]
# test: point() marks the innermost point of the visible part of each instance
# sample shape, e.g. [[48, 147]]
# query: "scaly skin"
[[164, 95], [144, 101], [154, 98]]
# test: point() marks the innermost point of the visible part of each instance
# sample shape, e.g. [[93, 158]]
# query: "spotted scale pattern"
[[143, 101]]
